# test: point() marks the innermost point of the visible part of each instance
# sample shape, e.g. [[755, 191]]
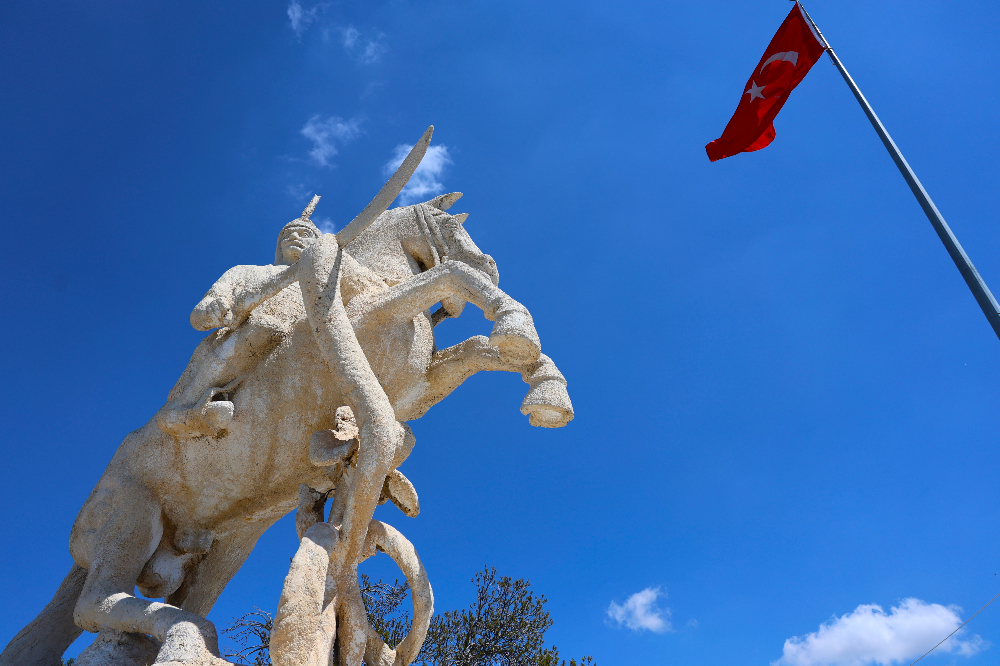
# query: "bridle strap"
[[435, 241]]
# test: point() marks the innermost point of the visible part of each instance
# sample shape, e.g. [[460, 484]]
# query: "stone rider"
[[246, 336]]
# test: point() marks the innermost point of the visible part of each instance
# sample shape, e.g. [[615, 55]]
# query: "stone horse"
[[180, 516]]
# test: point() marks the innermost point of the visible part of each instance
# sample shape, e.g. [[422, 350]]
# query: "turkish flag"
[[788, 58]]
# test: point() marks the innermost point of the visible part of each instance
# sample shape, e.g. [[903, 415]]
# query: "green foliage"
[[68, 662], [382, 601], [550, 657], [505, 626]]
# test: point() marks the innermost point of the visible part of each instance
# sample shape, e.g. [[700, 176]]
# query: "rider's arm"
[[262, 283], [215, 308], [240, 289]]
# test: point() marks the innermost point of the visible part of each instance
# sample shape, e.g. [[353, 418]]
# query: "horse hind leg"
[[118, 532], [45, 639], [209, 577]]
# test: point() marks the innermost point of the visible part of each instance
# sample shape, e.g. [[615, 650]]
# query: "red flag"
[[788, 58]]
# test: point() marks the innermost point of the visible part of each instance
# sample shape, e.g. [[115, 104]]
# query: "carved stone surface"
[[113, 648], [300, 394]]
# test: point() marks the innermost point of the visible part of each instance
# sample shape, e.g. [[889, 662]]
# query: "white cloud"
[[373, 50], [641, 612], [325, 224], [869, 635], [424, 181], [326, 134], [299, 18], [349, 37], [366, 49]]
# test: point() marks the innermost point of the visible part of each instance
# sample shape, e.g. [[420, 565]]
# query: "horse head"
[[407, 241]]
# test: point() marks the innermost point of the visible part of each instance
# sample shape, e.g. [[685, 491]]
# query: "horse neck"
[[382, 247]]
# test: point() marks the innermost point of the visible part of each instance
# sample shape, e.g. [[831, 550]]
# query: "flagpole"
[[972, 278]]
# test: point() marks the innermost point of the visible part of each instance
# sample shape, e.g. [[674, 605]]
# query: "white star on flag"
[[754, 91]]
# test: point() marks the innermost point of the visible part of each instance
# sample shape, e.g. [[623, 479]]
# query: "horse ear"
[[460, 217], [444, 201]]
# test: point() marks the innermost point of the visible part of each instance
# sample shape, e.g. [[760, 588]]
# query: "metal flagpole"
[[972, 278]]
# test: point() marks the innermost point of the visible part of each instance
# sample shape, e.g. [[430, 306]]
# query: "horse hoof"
[[515, 336], [548, 417], [547, 404]]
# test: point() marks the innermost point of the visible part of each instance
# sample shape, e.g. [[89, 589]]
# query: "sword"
[[388, 193]]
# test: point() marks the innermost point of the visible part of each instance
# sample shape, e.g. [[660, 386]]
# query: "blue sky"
[[786, 397]]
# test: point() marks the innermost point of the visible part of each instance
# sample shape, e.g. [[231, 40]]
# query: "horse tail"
[[44, 640]]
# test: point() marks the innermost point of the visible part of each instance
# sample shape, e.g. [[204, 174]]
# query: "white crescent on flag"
[[790, 56]]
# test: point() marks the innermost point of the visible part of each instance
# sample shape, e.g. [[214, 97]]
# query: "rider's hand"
[[216, 312], [211, 313]]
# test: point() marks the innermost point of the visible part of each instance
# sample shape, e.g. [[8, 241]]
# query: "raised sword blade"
[[388, 193]]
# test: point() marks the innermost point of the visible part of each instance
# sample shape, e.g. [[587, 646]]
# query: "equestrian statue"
[[299, 394]]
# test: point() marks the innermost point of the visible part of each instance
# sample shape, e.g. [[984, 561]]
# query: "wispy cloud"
[[326, 134], [299, 18], [324, 224], [366, 48], [425, 181], [300, 191], [869, 635], [640, 612], [349, 37]]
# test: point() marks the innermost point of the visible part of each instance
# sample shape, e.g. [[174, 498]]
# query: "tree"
[[505, 626], [382, 601], [253, 632]]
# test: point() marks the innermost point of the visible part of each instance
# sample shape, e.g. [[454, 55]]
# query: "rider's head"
[[294, 238]]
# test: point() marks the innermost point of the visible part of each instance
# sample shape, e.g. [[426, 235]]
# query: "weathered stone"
[[114, 648], [300, 393]]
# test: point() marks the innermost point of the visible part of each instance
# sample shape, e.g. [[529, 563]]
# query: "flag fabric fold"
[[793, 50]]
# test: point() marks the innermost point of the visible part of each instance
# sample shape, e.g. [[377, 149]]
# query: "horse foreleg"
[[513, 330], [547, 403], [450, 367]]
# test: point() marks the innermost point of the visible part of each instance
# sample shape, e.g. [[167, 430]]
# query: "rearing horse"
[[427, 256], [181, 515]]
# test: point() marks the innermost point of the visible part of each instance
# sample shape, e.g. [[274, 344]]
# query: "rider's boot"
[[401, 492], [206, 418], [547, 404], [514, 332]]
